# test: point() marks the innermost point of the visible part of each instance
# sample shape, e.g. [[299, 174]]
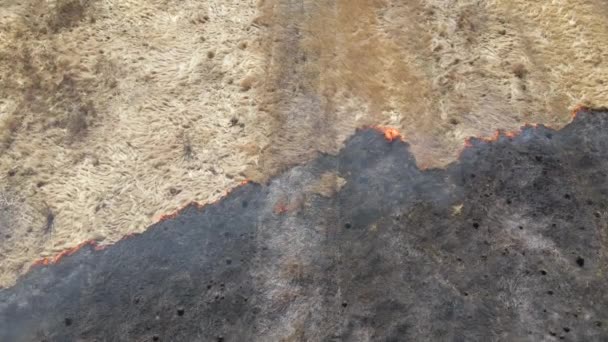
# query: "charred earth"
[[508, 243]]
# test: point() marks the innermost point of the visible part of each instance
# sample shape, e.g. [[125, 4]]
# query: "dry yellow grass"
[[439, 71], [114, 113]]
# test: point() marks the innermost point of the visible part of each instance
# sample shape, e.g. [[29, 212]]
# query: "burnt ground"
[[507, 244]]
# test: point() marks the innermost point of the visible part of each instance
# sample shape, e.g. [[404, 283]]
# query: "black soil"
[[507, 244]]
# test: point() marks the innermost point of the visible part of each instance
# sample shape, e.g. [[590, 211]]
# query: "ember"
[[280, 208]]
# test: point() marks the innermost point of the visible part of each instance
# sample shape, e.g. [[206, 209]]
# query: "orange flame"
[[70, 251], [512, 134], [390, 134], [496, 136], [199, 205], [573, 114], [577, 109], [55, 259]]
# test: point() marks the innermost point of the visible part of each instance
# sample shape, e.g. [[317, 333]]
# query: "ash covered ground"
[[506, 244], [113, 113]]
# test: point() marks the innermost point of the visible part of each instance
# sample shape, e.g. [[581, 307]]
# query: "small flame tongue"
[[45, 261], [55, 259], [390, 134]]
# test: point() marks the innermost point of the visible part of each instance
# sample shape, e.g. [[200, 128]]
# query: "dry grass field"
[[113, 113]]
